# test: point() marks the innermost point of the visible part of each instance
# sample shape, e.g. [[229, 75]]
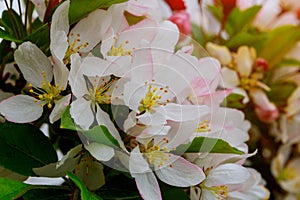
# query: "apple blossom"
[[37, 70]]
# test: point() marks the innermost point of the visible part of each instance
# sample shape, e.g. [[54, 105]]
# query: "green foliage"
[[217, 12], [288, 63], [12, 23], [234, 101], [23, 147], [11, 189], [119, 187], [279, 42], [48, 194], [238, 19], [209, 145], [86, 7], [255, 40], [280, 92], [84, 193], [98, 134]]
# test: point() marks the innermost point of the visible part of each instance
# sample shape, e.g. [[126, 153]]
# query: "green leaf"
[[6, 52], [279, 42], [11, 189], [170, 192], [217, 11], [234, 101], [255, 40], [86, 7], [100, 134], [13, 24], [6, 36], [288, 63], [119, 187], [238, 19], [210, 145], [132, 19], [84, 193], [23, 147], [67, 122], [280, 92], [48, 194]]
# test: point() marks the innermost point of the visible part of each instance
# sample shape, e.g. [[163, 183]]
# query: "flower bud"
[[176, 4], [182, 20]]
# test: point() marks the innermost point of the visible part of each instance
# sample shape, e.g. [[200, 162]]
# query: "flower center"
[[288, 174], [74, 47], [203, 127], [100, 93], [220, 191], [153, 98], [47, 93], [155, 154], [118, 51]]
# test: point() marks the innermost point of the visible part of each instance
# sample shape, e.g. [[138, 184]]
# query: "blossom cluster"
[[139, 94]]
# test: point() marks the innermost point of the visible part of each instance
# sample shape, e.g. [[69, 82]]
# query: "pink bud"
[[265, 110], [182, 20], [176, 4], [261, 64]]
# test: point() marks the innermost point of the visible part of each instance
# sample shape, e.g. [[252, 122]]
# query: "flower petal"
[[137, 163], [76, 79], [99, 151], [104, 119], [60, 72], [59, 108], [90, 30], [227, 174], [180, 173], [148, 186], [21, 109], [32, 62], [180, 113], [244, 61], [82, 113], [59, 30], [230, 78]]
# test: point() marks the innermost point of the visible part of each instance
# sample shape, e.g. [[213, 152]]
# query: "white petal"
[[137, 163], [181, 174], [91, 31], [59, 108], [104, 119], [32, 62], [21, 109], [222, 53], [59, 45], [92, 66], [148, 186], [60, 72], [82, 113], [181, 113], [244, 61], [76, 79], [227, 174], [100, 151], [230, 78], [156, 118], [59, 30], [167, 36]]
